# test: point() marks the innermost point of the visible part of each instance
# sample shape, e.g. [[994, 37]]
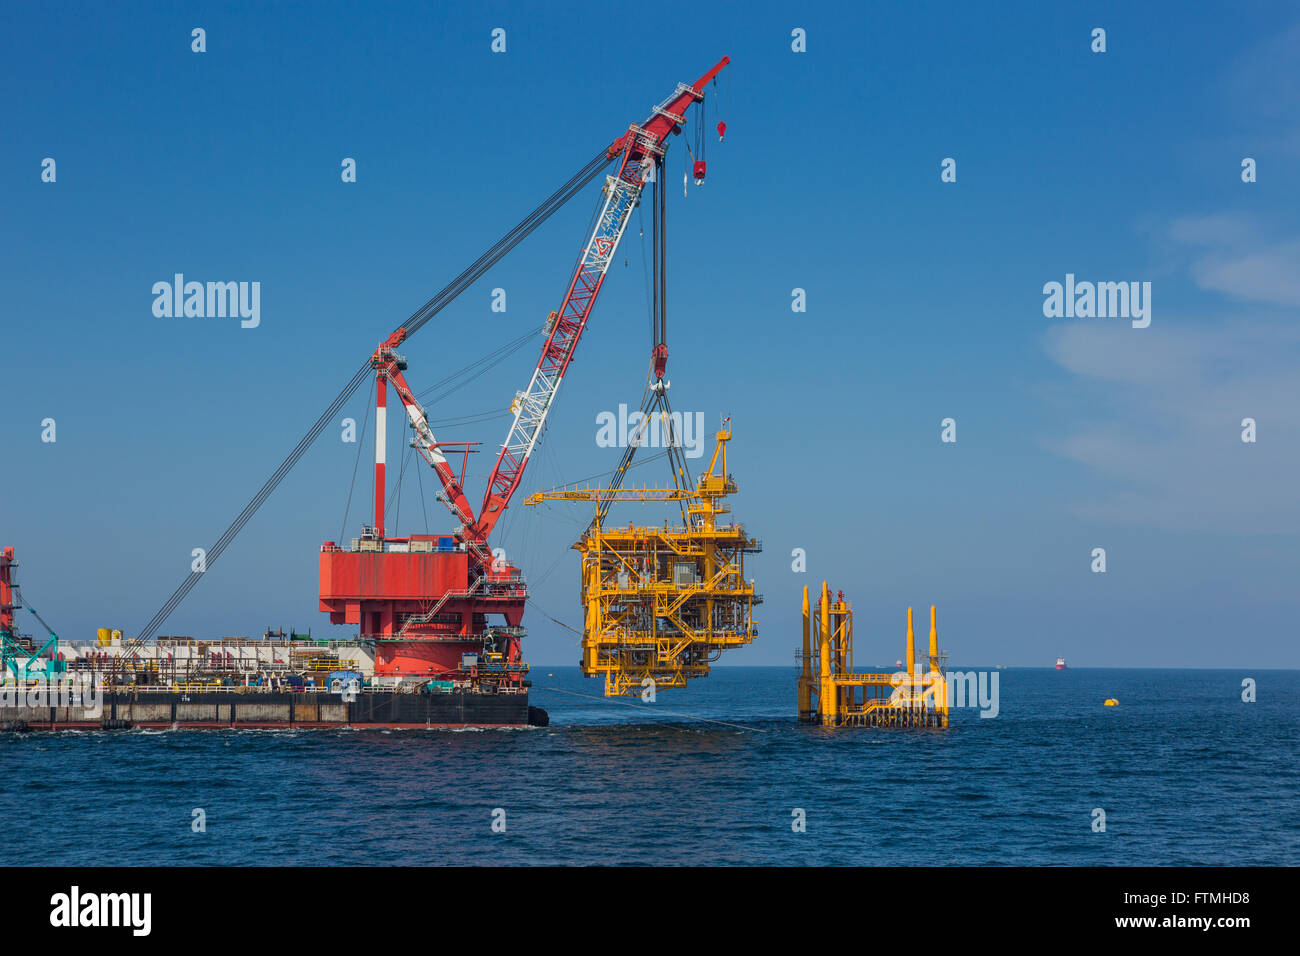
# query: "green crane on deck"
[[16, 655]]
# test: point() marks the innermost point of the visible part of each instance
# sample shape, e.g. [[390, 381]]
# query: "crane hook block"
[[722, 131], [699, 171]]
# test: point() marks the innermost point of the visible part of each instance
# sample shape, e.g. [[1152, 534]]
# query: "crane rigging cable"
[[419, 478], [396, 495], [654, 396], [475, 419], [508, 242], [449, 293], [479, 366], [347, 509]]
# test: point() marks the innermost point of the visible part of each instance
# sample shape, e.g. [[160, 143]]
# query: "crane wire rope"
[[347, 509], [488, 361]]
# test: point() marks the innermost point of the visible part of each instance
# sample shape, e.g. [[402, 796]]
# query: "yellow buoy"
[[1112, 702]]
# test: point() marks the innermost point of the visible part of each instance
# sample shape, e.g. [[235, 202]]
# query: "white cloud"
[[1166, 405], [1236, 257], [1220, 229], [1269, 275], [1264, 81]]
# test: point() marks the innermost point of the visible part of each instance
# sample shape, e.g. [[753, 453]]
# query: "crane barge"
[[443, 608], [442, 613]]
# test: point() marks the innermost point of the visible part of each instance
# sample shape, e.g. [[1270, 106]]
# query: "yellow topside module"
[[662, 603]]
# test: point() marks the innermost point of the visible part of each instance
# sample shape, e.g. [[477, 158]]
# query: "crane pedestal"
[[415, 599]]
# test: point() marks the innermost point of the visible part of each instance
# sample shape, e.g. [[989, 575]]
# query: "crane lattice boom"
[[641, 147]]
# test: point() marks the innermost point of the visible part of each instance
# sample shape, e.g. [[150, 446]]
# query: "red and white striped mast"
[[381, 442]]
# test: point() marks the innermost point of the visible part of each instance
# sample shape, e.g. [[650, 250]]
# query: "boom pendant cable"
[[347, 509]]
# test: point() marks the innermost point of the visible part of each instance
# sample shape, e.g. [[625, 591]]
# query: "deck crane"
[[424, 599], [18, 654]]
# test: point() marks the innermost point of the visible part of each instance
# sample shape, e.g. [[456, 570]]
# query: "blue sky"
[[924, 302]]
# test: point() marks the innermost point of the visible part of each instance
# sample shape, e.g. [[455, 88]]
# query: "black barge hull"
[[231, 709]]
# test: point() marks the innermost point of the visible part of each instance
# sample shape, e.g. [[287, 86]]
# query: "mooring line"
[[671, 713]]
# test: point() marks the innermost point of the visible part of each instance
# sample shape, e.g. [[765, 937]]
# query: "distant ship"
[[1060, 663]]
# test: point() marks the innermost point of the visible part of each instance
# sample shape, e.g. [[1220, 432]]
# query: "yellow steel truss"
[[832, 694], [662, 603]]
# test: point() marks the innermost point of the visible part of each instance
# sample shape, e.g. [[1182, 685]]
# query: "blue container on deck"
[[446, 543], [344, 677]]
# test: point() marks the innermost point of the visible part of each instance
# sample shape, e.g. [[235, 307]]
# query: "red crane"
[[8, 602], [425, 599]]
